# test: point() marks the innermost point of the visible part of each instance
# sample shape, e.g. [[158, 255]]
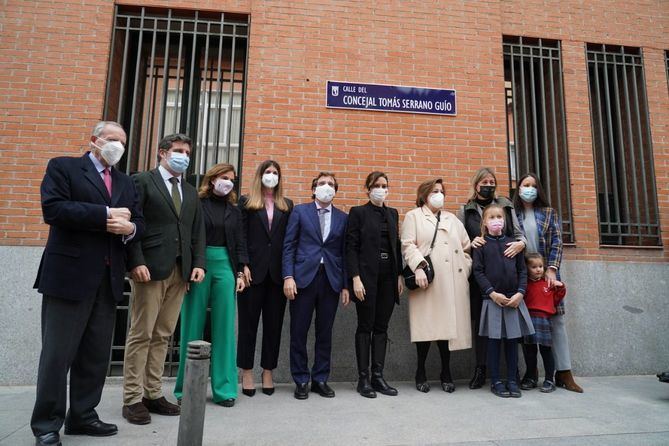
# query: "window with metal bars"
[[623, 153], [666, 64], [175, 71], [535, 120]]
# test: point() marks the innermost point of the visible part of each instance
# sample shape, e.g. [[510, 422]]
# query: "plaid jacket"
[[550, 238]]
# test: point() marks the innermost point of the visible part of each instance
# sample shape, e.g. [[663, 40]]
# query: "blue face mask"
[[528, 194], [178, 162]]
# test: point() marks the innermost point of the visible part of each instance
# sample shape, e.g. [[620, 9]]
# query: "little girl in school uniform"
[[541, 302], [504, 316]]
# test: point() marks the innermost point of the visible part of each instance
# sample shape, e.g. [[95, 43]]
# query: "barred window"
[[626, 197], [173, 70], [535, 119]]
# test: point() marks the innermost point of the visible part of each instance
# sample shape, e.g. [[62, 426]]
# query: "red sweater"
[[540, 299]]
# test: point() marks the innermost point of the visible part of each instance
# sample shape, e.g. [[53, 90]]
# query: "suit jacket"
[[232, 222], [303, 247], [74, 205], [264, 246], [166, 231], [363, 241]]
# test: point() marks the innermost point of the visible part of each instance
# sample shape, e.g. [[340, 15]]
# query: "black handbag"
[[410, 276]]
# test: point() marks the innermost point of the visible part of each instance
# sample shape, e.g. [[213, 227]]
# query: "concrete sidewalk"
[[620, 410]]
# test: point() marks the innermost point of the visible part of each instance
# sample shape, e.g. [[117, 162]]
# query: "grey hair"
[[99, 127]]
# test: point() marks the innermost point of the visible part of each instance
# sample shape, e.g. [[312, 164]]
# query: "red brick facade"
[[54, 58]]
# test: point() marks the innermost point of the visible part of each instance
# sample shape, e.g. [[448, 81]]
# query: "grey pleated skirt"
[[505, 322]]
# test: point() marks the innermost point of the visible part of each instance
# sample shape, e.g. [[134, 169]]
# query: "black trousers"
[[76, 337], [267, 298], [375, 311]]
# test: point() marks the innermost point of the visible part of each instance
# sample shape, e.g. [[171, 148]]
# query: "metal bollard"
[[191, 423]]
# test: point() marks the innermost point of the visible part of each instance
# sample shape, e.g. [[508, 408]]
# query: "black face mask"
[[487, 192]]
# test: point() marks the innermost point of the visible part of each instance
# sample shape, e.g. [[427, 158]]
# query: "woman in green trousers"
[[225, 262]]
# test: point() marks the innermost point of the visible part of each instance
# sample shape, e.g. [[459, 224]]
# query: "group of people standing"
[[188, 250]]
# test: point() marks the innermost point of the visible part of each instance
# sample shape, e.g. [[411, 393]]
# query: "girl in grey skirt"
[[504, 316]]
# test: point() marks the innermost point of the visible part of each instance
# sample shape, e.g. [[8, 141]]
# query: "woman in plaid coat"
[[543, 232]]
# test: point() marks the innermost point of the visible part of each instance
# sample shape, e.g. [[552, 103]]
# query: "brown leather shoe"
[[565, 380], [161, 406], [136, 414]]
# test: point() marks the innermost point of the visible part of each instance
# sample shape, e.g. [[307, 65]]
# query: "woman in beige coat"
[[438, 311]]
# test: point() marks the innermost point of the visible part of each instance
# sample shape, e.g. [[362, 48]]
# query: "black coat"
[[232, 222], [363, 241], [74, 204], [264, 246]]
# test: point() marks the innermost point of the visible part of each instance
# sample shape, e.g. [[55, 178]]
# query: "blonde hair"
[[476, 179], [256, 200], [206, 187], [488, 209]]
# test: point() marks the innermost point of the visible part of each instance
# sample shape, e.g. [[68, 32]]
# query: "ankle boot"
[[478, 380], [364, 388], [379, 343], [565, 380]]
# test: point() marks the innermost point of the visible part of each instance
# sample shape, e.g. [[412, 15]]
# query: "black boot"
[[362, 341], [478, 380], [379, 342]]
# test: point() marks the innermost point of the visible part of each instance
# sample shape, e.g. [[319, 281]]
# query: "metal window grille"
[[178, 71], [175, 71], [535, 119], [666, 64], [626, 197]]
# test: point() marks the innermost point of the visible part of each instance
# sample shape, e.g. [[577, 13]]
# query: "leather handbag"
[[410, 276]]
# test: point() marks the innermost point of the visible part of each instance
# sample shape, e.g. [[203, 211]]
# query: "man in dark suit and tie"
[[92, 210], [314, 278], [169, 256]]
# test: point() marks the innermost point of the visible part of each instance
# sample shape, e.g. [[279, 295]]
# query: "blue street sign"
[[391, 98]]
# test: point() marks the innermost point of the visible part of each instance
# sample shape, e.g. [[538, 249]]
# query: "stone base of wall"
[[617, 317]]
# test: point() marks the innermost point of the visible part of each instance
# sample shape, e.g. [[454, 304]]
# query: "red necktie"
[[107, 180]]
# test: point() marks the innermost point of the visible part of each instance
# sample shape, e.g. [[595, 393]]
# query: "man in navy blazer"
[[92, 210], [314, 279]]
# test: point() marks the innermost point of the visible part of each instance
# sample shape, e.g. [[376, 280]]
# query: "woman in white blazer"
[[438, 311]]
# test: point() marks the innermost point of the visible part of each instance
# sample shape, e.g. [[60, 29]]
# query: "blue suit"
[[318, 286]]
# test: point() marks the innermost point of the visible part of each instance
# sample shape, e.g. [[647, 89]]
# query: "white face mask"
[[270, 180], [111, 151], [324, 193], [222, 187], [436, 200], [378, 195]]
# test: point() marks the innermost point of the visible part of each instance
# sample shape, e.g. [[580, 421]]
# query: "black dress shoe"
[[447, 387], [48, 439], [230, 402], [301, 391], [322, 389], [95, 428], [478, 380]]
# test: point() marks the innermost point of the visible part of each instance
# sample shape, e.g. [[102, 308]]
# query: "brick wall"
[[54, 57]]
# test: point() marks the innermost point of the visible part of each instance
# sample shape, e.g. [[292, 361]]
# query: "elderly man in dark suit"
[[92, 210], [314, 278], [169, 256]]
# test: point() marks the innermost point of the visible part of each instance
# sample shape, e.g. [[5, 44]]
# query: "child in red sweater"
[[541, 302]]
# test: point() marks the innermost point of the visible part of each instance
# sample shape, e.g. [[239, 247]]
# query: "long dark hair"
[[540, 202]]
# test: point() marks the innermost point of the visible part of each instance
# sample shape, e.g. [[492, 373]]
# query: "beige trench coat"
[[442, 310]]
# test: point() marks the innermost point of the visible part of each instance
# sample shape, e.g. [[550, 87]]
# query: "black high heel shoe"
[[249, 392], [267, 390]]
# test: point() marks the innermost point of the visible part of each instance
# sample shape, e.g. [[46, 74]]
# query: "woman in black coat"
[[374, 262], [264, 217]]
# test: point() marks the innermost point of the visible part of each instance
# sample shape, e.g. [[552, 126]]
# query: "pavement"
[[620, 410]]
